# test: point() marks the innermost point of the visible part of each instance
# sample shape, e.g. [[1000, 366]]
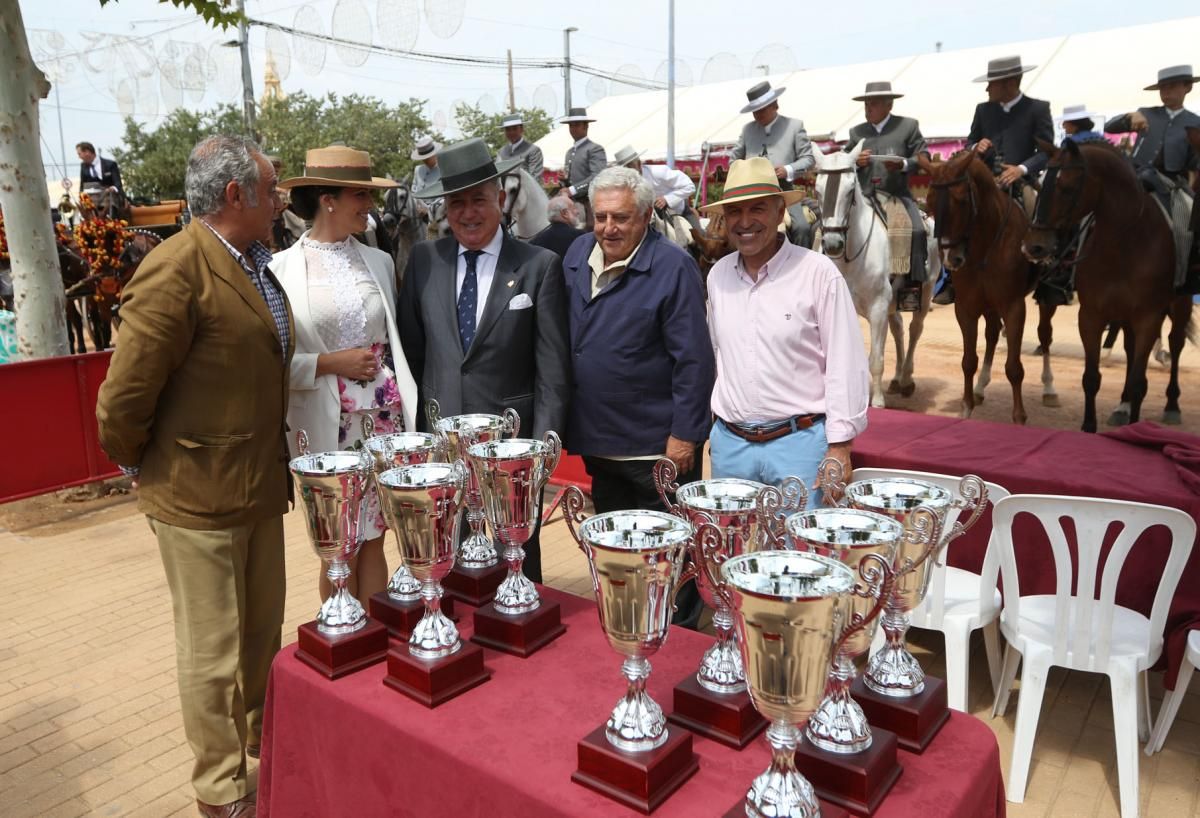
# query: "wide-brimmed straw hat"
[[1074, 113], [752, 178], [760, 96], [577, 115], [1003, 68], [1174, 73], [625, 156], [464, 165], [337, 166], [424, 149], [877, 90]]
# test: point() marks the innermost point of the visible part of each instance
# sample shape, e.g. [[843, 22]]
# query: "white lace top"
[[346, 305]]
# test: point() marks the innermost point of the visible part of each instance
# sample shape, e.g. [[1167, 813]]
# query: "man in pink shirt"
[[792, 381]]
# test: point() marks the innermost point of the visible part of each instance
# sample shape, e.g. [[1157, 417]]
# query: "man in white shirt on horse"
[[672, 188]]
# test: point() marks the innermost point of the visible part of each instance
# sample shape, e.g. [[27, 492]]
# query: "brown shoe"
[[244, 807], [253, 750]]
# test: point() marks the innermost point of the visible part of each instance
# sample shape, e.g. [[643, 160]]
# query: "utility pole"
[[567, 69], [671, 84], [512, 94], [247, 78]]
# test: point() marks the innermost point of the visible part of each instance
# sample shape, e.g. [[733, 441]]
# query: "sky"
[[144, 57]]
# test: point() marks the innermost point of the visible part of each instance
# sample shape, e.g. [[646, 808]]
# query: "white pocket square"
[[520, 302]]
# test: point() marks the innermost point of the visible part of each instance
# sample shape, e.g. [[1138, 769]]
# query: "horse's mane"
[[1108, 157]]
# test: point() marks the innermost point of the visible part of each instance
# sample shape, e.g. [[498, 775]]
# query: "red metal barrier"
[[48, 424]]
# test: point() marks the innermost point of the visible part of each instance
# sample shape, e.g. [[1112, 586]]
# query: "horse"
[[1124, 273], [525, 204], [847, 234], [439, 225], [101, 291], [979, 229], [74, 269], [403, 217]]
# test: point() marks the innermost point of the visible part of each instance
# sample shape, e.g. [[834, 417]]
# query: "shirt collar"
[[516, 144], [1172, 114], [879, 128], [776, 263], [260, 256], [579, 142], [767, 128], [1008, 106], [492, 248]]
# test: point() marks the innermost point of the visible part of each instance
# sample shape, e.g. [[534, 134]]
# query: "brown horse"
[[711, 245], [1124, 272], [979, 228], [74, 270]]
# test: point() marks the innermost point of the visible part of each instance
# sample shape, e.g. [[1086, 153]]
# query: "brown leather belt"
[[763, 434]]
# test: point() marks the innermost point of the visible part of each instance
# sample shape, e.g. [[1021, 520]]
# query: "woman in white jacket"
[[348, 361]]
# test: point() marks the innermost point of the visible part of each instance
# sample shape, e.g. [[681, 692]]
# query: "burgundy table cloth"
[[1027, 460], [354, 747]]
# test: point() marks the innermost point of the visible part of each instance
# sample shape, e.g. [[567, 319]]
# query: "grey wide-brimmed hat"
[[1003, 68], [511, 120], [1074, 113], [577, 115], [760, 96], [464, 165], [424, 149], [624, 156], [877, 90], [1174, 73]]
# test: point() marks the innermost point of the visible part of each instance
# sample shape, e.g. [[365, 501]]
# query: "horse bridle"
[[511, 201], [943, 210], [829, 205]]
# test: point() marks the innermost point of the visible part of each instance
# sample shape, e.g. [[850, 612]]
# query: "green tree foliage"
[[474, 122], [153, 162]]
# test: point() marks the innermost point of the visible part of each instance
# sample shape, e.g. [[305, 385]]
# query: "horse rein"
[[943, 210], [829, 205]]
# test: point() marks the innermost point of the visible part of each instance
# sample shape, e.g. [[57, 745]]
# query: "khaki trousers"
[[227, 592]]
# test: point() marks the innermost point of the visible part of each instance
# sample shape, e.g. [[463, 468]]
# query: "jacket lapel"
[[447, 250], [225, 267], [505, 282], [293, 277]]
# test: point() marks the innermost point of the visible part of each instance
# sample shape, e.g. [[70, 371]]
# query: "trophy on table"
[[713, 702], [510, 475], [331, 488], [794, 611], [894, 692], [421, 504], [399, 607], [638, 560], [849, 763], [477, 572]]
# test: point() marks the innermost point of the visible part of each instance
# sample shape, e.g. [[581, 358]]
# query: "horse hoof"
[[907, 391], [1172, 418], [1118, 418], [893, 387], [1051, 401], [978, 398]]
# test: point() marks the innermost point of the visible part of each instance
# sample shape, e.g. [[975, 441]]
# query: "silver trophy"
[[511, 475], [401, 449], [745, 515], [894, 671], [462, 432], [422, 502], [638, 561], [848, 535], [332, 487], [793, 611]]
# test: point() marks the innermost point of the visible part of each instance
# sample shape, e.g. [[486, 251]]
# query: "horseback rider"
[[891, 147], [516, 146], [1079, 124], [584, 160], [672, 187], [782, 140], [428, 172], [1163, 156]]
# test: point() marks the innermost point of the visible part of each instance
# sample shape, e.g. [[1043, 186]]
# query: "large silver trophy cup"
[[421, 503], [510, 475], [793, 611], [463, 432], [331, 488], [638, 560]]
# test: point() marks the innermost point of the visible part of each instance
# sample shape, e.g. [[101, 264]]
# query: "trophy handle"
[[302, 442], [774, 505], [441, 446], [973, 496], [831, 481], [512, 422], [553, 454], [922, 526], [461, 479], [878, 576], [433, 412], [368, 426], [688, 572], [709, 551], [573, 502], [665, 472]]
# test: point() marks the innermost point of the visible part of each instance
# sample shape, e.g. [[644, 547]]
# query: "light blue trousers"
[[798, 454]]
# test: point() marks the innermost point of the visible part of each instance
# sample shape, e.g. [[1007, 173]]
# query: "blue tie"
[[468, 298]]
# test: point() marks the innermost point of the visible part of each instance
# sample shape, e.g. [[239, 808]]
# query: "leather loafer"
[[253, 750], [242, 808]]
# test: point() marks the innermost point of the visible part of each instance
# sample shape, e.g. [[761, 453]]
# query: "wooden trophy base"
[[914, 719], [856, 782], [474, 586], [727, 718], [828, 810], [638, 780], [519, 635], [335, 656], [434, 681], [401, 617]]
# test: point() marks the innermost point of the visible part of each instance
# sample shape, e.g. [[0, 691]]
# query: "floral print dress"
[[348, 312]]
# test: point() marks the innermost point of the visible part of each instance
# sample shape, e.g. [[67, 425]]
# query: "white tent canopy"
[[1106, 70]]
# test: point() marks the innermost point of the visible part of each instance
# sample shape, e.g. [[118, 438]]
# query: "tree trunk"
[[37, 283]]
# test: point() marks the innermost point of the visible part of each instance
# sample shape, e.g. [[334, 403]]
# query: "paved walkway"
[[90, 725]]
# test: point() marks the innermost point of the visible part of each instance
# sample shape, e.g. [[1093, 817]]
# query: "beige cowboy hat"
[[877, 90], [752, 178], [760, 96], [1003, 68], [424, 149], [1174, 73], [337, 166]]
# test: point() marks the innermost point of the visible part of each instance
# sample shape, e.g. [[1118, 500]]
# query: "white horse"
[[673, 227], [525, 204], [855, 237]]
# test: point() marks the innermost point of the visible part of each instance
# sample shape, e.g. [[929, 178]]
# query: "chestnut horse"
[[979, 229], [1124, 273]]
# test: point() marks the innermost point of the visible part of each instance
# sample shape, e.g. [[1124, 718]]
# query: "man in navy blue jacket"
[[640, 350]]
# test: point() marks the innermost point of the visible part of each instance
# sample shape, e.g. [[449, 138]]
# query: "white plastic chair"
[[1170, 705], [1079, 631], [959, 601]]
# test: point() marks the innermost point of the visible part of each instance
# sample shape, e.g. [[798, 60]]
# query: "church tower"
[[272, 89]]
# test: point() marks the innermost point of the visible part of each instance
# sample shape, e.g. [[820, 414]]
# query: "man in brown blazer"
[[194, 405]]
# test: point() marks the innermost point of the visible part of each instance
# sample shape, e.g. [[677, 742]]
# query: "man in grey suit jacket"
[[483, 317], [782, 140], [517, 148], [584, 160]]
